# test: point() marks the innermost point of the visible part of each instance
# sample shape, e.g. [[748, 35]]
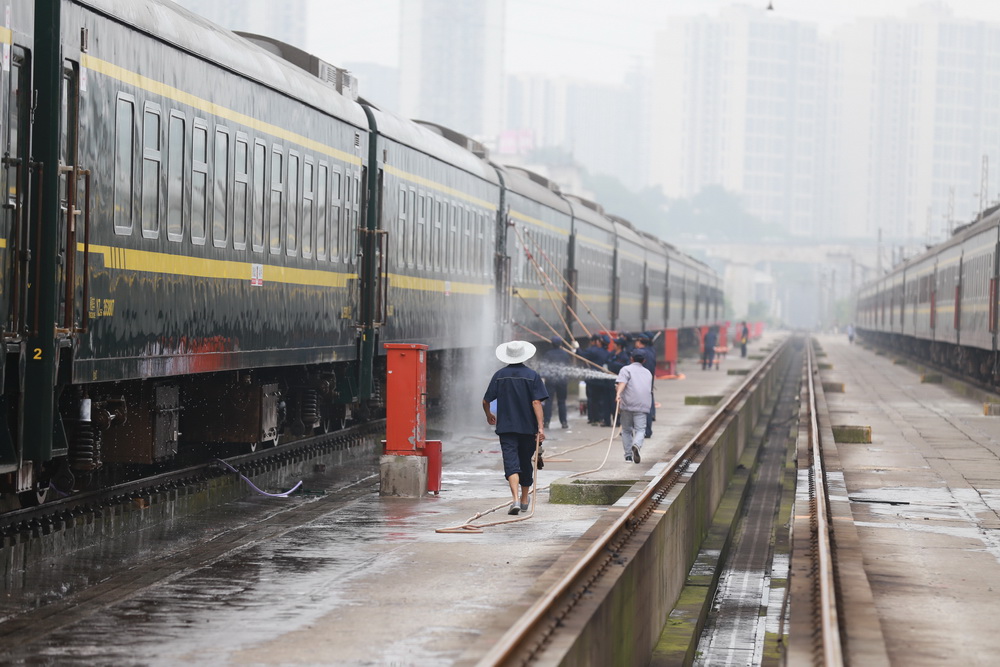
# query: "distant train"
[[942, 304], [204, 242]]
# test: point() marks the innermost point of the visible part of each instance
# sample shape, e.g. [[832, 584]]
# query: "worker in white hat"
[[519, 392]]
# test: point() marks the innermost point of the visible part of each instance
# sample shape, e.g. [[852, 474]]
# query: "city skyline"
[[584, 39]]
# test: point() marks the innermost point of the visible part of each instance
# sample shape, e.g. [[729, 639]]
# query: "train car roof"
[[175, 25], [959, 237], [535, 187], [428, 139], [655, 243], [626, 230], [589, 211]]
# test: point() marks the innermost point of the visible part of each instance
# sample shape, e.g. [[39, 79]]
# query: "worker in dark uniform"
[[519, 392], [606, 388], [708, 348], [597, 355], [619, 357], [555, 373]]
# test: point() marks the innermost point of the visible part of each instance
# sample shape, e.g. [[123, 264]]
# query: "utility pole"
[[951, 210], [983, 186], [878, 255]]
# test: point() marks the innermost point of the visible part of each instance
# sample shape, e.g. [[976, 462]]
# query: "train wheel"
[[334, 419], [40, 494]]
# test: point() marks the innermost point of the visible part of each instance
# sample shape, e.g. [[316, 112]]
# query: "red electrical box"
[[406, 398], [406, 408]]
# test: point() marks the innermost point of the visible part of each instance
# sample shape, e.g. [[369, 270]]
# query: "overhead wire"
[[576, 295], [546, 281]]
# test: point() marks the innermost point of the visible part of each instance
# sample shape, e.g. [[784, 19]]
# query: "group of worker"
[[524, 405], [711, 340], [614, 356]]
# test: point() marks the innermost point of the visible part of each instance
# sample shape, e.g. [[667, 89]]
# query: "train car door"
[[15, 111], [72, 315]]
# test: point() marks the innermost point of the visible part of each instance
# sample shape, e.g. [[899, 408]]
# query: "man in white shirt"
[[634, 393]]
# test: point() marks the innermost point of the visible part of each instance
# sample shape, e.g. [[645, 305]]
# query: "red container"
[[670, 351], [432, 450]]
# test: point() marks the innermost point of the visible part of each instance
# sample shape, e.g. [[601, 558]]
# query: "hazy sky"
[[584, 39]]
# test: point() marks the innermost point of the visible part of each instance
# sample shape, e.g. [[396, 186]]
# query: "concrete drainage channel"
[[612, 605], [732, 605]]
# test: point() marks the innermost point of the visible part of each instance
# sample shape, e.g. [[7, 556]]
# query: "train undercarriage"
[[983, 366], [109, 430]]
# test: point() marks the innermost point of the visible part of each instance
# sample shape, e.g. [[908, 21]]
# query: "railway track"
[[816, 636], [33, 522], [537, 628]]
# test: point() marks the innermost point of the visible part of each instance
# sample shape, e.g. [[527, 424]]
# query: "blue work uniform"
[[596, 389], [557, 361], [514, 388]]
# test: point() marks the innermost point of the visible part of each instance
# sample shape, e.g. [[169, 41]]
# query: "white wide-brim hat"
[[515, 352]]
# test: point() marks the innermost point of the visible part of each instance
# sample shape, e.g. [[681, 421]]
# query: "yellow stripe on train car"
[[146, 261]]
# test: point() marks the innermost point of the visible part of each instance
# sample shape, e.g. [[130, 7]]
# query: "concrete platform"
[[924, 495], [365, 581]]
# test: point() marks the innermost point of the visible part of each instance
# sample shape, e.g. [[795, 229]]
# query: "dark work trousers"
[[593, 402], [606, 398], [651, 415], [557, 394], [708, 357]]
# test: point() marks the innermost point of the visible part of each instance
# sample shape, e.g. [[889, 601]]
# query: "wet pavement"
[[341, 577], [924, 496]]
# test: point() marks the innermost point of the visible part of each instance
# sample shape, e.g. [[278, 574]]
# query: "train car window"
[[308, 211], [199, 182], [241, 191], [401, 228], [151, 159], [259, 194], [418, 236], [477, 244], [348, 217], [466, 240], [336, 235], [175, 176], [436, 234], [453, 237], [220, 199], [411, 236], [277, 192], [124, 137], [322, 211], [292, 220]]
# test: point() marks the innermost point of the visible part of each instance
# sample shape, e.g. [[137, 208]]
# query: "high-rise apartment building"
[[920, 108], [735, 103], [451, 63], [602, 127], [883, 127]]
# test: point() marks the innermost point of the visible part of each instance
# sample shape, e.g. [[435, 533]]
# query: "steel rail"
[[24, 519], [829, 635], [531, 622]]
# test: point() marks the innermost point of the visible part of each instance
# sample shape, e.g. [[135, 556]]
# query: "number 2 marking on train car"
[[38, 353]]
